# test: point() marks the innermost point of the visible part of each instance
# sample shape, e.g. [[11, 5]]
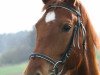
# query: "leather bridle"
[[67, 53]]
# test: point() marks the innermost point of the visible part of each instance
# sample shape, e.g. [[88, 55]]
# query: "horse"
[[66, 41]]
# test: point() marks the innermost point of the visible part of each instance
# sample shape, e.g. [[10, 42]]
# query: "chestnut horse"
[[66, 41]]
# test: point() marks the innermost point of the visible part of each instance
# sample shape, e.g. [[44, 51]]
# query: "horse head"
[[61, 39]]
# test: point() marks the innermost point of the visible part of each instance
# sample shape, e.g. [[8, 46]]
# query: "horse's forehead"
[[50, 16]]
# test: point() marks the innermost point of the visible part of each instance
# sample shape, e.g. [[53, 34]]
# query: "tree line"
[[16, 48]]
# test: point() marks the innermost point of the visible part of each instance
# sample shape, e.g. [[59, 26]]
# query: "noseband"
[[67, 53]]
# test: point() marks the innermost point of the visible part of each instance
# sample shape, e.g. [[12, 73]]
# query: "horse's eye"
[[66, 28]]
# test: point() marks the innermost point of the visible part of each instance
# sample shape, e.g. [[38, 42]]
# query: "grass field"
[[13, 70], [98, 54]]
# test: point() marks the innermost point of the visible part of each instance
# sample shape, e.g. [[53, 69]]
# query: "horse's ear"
[[45, 1], [71, 2]]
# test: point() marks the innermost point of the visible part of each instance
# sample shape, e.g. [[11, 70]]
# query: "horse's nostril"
[[38, 73]]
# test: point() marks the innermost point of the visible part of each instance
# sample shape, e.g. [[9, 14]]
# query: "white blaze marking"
[[50, 16]]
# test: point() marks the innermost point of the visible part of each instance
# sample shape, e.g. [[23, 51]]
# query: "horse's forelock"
[[50, 2], [46, 6]]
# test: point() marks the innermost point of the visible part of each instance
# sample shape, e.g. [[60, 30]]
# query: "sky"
[[20, 15]]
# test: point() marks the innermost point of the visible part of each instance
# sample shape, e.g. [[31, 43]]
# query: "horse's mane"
[[92, 42], [90, 30], [93, 35]]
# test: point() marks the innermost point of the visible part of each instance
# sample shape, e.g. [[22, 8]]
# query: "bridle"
[[67, 53]]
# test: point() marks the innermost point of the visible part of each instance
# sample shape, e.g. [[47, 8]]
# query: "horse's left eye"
[[66, 28]]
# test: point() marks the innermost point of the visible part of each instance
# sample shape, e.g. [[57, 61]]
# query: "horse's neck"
[[87, 67], [82, 70]]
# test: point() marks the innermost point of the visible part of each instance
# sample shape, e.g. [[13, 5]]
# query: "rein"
[[68, 51]]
